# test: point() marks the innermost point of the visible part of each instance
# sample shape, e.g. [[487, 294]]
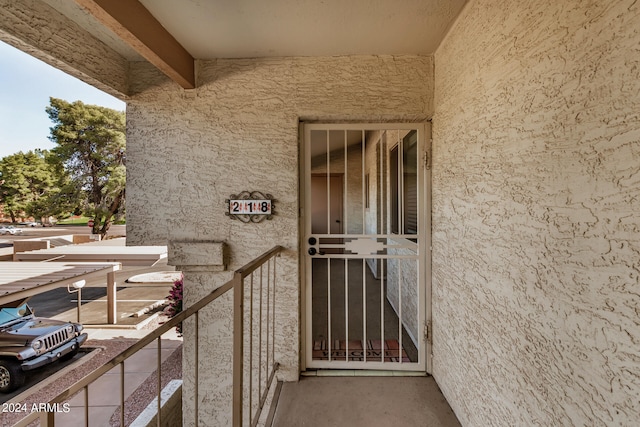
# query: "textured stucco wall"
[[189, 150], [536, 213]]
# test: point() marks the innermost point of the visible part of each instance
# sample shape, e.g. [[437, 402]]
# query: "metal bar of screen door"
[[329, 337], [346, 230]]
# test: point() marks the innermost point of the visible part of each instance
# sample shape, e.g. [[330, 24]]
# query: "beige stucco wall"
[[536, 214], [190, 150]]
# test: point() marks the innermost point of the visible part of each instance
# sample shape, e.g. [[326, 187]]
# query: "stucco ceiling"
[[261, 28], [210, 29]]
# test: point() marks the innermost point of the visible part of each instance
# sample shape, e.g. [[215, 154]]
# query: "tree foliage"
[[91, 148], [31, 185]]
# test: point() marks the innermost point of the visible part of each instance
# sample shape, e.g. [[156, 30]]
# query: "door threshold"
[[360, 373]]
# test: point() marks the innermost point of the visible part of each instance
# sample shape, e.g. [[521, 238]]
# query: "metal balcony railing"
[[248, 399]]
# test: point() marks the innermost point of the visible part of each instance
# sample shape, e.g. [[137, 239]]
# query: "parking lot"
[[36, 376], [31, 232], [138, 303], [26, 233]]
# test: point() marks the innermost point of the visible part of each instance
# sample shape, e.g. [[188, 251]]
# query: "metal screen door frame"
[[421, 241]]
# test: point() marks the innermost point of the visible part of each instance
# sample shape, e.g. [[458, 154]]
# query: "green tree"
[[28, 183], [91, 148], [12, 186]]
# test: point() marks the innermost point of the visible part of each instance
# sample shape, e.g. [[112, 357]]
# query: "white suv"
[[10, 229]]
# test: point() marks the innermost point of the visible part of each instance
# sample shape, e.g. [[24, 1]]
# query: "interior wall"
[[351, 215], [402, 274], [188, 151], [536, 214], [374, 148]]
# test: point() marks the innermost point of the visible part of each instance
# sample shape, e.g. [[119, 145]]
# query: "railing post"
[[203, 264], [122, 392], [196, 367], [238, 347], [159, 383], [51, 419]]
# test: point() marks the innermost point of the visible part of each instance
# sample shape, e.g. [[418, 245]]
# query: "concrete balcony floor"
[[363, 401]]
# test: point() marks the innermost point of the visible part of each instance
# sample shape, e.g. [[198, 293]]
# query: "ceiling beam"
[[134, 24]]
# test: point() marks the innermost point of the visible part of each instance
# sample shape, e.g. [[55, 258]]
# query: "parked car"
[[28, 342], [10, 229]]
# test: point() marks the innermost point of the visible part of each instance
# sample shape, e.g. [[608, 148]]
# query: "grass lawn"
[[74, 220], [81, 220]]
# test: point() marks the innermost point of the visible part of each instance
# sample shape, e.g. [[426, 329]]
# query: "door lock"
[[312, 251]]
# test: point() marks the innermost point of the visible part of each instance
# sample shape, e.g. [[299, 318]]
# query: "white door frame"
[[423, 251]]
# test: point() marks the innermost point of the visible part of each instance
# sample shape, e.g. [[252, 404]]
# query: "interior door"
[[364, 246], [326, 205]]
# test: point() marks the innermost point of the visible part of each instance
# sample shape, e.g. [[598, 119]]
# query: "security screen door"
[[364, 246]]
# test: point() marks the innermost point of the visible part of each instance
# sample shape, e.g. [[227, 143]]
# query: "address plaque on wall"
[[250, 206]]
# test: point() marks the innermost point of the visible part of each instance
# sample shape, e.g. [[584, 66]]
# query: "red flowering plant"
[[175, 302]]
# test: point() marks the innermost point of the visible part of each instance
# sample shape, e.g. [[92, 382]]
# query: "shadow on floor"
[[363, 402], [34, 377]]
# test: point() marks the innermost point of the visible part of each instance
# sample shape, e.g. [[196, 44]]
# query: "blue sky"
[[26, 84]]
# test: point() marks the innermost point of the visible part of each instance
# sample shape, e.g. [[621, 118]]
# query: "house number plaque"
[[250, 206]]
